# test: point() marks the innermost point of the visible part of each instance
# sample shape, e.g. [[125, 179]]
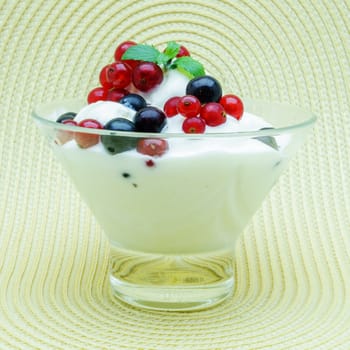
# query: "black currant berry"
[[66, 116], [114, 144], [150, 119], [133, 101], [205, 88]]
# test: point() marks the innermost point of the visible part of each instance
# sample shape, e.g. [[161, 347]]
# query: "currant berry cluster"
[[119, 82], [137, 69], [146, 119], [203, 105], [123, 76]]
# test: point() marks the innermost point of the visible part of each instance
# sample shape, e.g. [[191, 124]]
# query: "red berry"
[[170, 106], [64, 136], [132, 63], [69, 122], [193, 125], [233, 105], [146, 76], [213, 113], [121, 48], [152, 147], [116, 94], [103, 78], [97, 94], [119, 74], [189, 106], [119, 52], [150, 163], [85, 140], [183, 52]]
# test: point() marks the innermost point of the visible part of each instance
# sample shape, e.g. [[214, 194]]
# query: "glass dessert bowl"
[[173, 203]]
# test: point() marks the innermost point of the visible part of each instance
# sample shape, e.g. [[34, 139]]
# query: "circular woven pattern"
[[293, 261]]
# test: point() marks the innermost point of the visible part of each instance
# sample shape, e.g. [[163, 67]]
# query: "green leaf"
[[163, 59], [172, 49], [189, 66], [141, 52], [169, 53]]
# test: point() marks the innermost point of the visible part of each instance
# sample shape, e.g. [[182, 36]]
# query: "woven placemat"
[[293, 261]]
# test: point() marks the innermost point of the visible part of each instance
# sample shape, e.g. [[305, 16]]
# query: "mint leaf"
[[169, 53], [141, 52], [163, 59], [172, 49], [189, 66], [185, 64]]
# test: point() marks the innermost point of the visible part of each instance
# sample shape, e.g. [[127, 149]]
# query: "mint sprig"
[[166, 59]]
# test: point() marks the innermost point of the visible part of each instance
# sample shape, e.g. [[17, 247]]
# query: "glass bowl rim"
[[237, 134]]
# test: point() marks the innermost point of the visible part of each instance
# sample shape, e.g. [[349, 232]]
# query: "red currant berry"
[[170, 106], [146, 76], [85, 140], [119, 74], [69, 122], [64, 136], [97, 94], [103, 78], [233, 105], [213, 114], [183, 52], [121, 48], [189, 106], [119, 52], [116, 95], [132, 63], [193, 125], [150, 163], [152, 147]]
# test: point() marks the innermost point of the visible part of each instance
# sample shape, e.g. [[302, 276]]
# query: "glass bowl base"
[[171, 282], [174, 298]]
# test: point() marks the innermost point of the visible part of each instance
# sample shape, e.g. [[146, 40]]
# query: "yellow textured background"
[[293, 261]]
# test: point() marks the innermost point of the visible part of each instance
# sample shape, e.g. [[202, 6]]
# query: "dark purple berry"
[[120, 124], [114, 144], [66, 116], [134, 101], [150, 119], [205, 88]]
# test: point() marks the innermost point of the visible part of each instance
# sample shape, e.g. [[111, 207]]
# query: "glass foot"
[[171, 282]]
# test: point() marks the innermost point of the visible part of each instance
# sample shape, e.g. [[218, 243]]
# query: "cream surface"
[[174, 84], [195, 198], [103, 111]]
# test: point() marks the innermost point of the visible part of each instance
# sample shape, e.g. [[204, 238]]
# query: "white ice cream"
[[173, 84], [197, 197], [103, 111]]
